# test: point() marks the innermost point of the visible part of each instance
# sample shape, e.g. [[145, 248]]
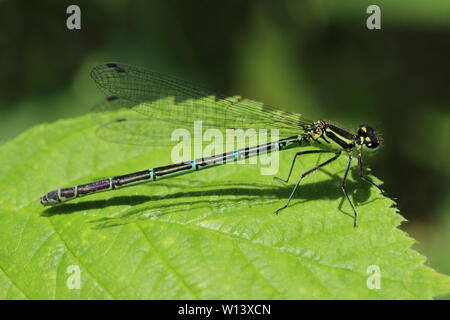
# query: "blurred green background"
[[315, 57]]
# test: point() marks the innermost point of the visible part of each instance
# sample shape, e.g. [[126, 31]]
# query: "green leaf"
[[207, 235]]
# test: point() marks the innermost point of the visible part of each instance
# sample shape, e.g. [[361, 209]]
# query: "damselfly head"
[[367, 138]]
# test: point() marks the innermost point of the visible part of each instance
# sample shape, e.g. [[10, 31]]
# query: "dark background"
[[314, 57]]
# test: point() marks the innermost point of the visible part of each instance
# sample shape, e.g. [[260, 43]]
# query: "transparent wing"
[[120, 123], [166, 104]]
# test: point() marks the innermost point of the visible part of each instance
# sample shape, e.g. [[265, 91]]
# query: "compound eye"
[[362, 131], [372, 145]]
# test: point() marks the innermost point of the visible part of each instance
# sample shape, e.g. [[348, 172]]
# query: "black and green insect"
[[172, 103]]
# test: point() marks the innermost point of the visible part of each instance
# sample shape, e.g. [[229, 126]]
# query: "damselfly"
[[172, 103]]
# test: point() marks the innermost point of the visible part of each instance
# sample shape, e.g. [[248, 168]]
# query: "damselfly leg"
[[344, 181], [362, 176], [295, 158], [305, 174]]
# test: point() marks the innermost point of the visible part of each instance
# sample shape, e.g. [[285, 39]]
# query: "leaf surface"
[[207, 235]]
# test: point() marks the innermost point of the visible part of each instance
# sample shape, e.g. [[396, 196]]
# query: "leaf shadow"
[[229, 194]]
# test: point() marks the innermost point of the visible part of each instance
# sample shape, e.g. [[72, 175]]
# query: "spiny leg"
[[305, 174], [295, 158], [344, 180], [360, 169]]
